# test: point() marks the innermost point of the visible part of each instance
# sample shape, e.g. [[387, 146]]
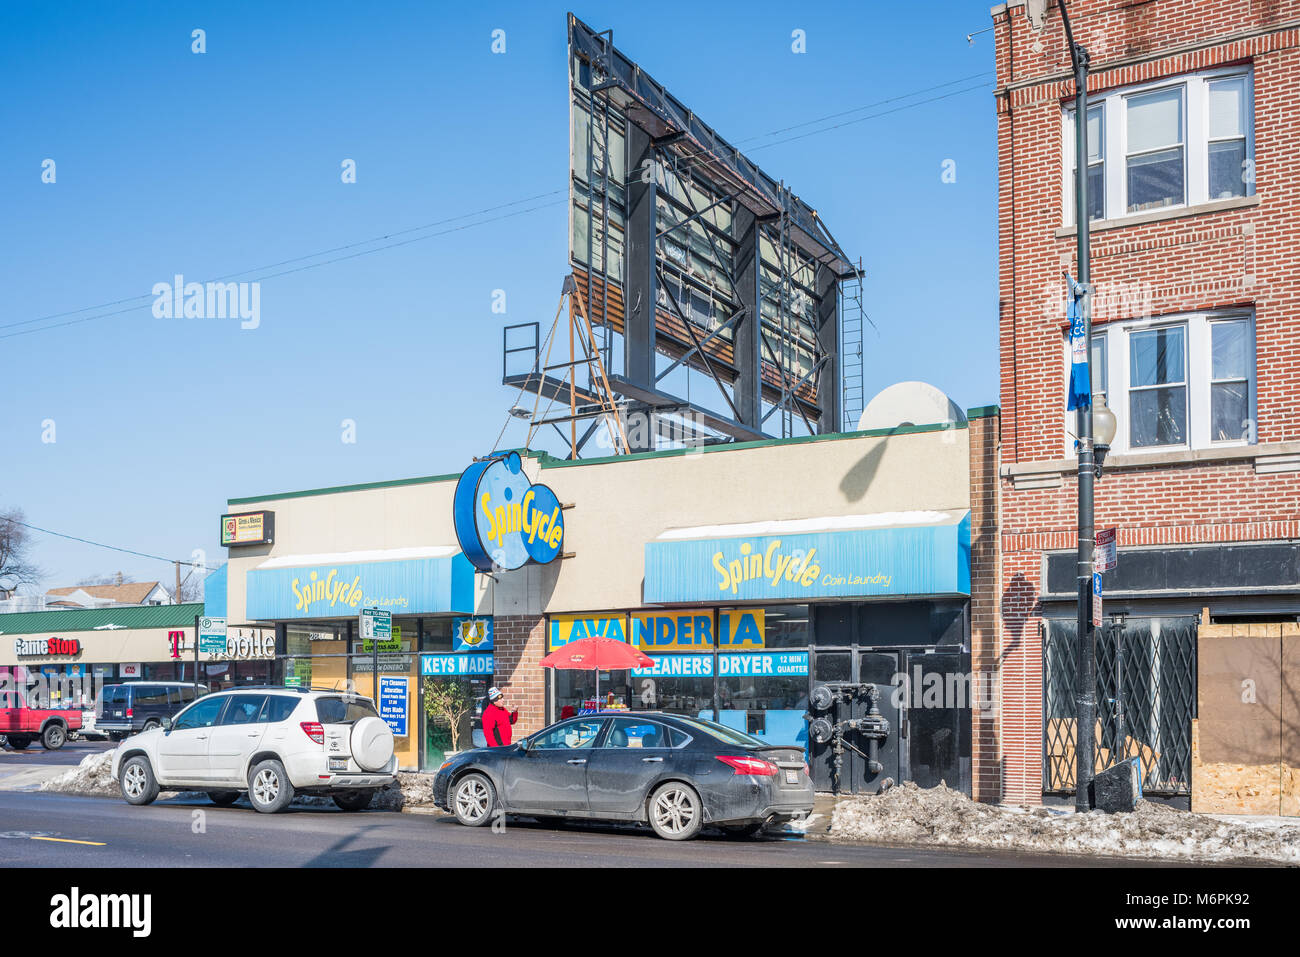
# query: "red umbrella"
[[597, 654]]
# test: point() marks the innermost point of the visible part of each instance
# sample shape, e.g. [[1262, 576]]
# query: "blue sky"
[[169, 162]]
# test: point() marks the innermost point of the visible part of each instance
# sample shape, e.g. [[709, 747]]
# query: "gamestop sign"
[[46, 647]]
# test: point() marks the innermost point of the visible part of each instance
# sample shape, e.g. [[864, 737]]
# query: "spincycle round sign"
[[503, 521]]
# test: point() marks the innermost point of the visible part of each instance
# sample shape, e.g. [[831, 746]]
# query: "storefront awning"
[[426, 580], [884, 555]]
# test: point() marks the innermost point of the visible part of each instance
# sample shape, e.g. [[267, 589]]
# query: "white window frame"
[[1199, 367], [1196, 142]]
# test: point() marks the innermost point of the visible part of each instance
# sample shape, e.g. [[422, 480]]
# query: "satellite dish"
[[911, 403]]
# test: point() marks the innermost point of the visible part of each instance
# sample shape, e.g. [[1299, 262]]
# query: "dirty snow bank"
[[908, 814], [93, 778]]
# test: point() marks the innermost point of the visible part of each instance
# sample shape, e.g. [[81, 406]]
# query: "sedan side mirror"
[[166, 724], [523, 744]]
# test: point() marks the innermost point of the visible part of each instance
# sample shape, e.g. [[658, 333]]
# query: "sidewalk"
[[26, 773]]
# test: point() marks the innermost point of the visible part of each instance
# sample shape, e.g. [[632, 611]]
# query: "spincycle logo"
[[502, 520]]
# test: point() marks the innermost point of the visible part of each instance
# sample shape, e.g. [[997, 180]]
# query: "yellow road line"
[[65, 840]]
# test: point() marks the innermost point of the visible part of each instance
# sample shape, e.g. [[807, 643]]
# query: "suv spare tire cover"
[[372, 744]]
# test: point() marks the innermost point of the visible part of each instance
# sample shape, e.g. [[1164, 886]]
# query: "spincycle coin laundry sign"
[[503, 521]]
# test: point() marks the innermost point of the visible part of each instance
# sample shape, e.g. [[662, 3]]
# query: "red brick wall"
[[519, 643], [1248, 256], [986, 767]]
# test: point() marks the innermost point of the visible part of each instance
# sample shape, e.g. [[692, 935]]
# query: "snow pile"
[[93, 778], [908, 814]]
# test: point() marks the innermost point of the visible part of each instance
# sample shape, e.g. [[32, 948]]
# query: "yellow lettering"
[[301, 604], [485, 503], [725, 581]]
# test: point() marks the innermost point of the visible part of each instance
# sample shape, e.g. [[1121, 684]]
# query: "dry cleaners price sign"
[[394, 700]]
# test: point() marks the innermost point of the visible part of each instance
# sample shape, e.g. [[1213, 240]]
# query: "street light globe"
[[1103, 422]]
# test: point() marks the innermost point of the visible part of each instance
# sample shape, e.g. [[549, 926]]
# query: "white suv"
[[271, 742]]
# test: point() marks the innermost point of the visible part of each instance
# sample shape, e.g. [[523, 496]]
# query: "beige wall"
[[105, 647], [621, 504]]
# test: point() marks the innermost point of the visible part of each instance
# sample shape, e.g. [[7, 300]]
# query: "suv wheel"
[[54, 736], [354, 800], [136, 779], [269, 789], [19, 741], [152, 725], [676, 813], [473, 799], [223, 798]]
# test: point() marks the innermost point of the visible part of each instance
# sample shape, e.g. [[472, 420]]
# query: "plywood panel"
[[1290, 723], [1232, 787], [1239, 700]]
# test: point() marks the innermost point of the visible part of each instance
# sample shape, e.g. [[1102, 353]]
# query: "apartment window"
[[1154, 160], [1231, 359], [1180, 142], [1227, 150], [1157, 388], [1176, 382], [1096, 165]]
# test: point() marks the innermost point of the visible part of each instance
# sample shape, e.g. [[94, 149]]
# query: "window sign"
[[471, 634], [394, 700], [453, 665]]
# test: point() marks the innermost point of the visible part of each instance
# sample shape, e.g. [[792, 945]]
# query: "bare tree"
[[191, 588], [16, 566]]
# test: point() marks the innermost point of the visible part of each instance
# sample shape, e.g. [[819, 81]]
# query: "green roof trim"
[[89, 619], [549, 462], [983, 412], [335, 489]]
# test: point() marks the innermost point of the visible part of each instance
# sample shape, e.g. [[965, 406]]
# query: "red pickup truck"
[[21, 725]]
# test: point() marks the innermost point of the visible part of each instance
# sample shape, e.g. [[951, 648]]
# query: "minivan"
[[126, 709]]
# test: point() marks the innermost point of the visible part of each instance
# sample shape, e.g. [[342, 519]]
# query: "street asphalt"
[[70, 754], [57, 830]]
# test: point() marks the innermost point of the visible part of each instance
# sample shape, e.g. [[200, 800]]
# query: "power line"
[[115, 548], [285, 262], [365, 242], [326, 262]]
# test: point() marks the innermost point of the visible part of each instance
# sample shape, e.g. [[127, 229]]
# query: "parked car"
[[126, 709], [21, 724], [673, 772], [272, 743], [89, 731]]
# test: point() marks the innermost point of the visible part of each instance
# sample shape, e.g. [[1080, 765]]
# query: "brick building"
[[1194, 133]]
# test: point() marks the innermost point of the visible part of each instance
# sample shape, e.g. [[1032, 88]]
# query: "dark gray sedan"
[[675, 773]]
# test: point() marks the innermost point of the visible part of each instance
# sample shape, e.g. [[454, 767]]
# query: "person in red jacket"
[[497, 720]]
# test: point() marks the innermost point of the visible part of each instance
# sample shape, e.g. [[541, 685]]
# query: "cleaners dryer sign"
[[503, 521]]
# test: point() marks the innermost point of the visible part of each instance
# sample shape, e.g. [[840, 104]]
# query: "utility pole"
[[176, 596], [1085, 699]]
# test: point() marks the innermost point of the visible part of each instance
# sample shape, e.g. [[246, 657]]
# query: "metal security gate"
[[1146, 699]]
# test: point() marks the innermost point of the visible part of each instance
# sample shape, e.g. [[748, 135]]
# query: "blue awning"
[[409, 581], [889, 555]]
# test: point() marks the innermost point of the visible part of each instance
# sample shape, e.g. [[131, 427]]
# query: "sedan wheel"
[[474, 799], [676, 813]]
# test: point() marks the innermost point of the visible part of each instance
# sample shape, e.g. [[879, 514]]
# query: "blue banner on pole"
[[1080, 392]]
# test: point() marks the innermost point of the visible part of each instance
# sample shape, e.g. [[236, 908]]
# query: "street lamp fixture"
[[1104, 425]]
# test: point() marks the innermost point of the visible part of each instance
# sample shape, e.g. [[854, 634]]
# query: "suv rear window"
[[343, 710], [278, 708]]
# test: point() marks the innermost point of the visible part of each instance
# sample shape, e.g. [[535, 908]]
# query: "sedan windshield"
[[722, 732]]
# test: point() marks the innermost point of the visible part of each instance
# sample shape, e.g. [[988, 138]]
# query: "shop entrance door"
[[845, 673], [937, 698]]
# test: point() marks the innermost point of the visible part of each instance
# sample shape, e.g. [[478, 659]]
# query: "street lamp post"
[[1085, 701]]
